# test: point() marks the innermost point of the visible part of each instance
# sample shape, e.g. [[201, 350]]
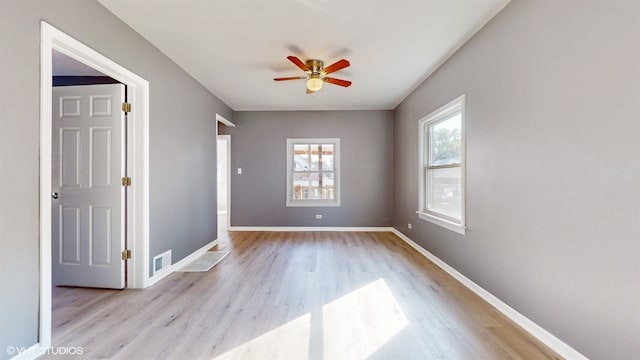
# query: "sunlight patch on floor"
[[359, 323], [289, 341], [354, 326]]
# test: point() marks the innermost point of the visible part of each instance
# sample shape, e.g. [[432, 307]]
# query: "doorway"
[[137, 157], [224, 182]]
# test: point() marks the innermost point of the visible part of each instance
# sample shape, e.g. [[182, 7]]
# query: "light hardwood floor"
[[295, 295]]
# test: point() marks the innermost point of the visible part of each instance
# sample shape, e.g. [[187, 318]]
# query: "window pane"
[[301, 157], [314, 158], [327, 157], [300, 186], [314, 192], [445, 192], [445, 141], [328, 185], [312, 187]]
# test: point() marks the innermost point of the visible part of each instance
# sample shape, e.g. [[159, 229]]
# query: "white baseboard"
[[557, 345], [164, 273], [26, 354], [311, 228]]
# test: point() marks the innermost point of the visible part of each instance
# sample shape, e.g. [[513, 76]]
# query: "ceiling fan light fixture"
[[314, 84]]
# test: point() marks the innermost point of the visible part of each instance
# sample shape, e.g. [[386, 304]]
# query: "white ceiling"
[[236, 47]]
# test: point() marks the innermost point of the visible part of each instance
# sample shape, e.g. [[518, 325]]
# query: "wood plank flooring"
[[295, 295]]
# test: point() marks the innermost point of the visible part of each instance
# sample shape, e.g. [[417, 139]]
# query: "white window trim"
[[336, 163], [457, 104]]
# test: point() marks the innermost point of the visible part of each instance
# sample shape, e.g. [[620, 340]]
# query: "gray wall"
[[258, 146], [182, 147], [553, 175]]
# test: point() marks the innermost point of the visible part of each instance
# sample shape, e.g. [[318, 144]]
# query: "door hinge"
[[126, 181], [126, 254], [126, 107]]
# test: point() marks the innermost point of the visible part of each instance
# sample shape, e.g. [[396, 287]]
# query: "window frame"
[[441, 114], [290, 201]]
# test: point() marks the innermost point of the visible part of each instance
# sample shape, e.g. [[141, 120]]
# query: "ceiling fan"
[[317, 73]]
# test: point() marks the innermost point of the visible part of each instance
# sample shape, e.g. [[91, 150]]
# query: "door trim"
[[224, 121], [137, 157]]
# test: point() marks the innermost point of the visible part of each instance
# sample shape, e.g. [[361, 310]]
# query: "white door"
[[88, 197]]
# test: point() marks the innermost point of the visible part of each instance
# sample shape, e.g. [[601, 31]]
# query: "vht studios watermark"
[[59, 350]]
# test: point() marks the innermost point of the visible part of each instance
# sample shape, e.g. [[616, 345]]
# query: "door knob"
[[54, 195]]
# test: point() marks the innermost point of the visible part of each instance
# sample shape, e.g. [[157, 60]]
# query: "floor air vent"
[[161, 262]]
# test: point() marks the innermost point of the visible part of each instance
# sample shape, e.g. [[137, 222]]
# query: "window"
[[313, 172], [442, 175]]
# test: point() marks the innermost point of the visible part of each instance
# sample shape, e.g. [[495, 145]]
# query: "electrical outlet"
[[318, 216], [239, 171], [409, 226]]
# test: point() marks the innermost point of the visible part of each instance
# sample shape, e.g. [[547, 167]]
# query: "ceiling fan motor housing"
[[315, 66]]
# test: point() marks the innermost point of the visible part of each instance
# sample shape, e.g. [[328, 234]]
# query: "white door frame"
[[222, 120], [138, 159]]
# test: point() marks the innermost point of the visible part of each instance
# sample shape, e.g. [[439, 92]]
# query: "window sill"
[[460, 229], [312, 204]]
